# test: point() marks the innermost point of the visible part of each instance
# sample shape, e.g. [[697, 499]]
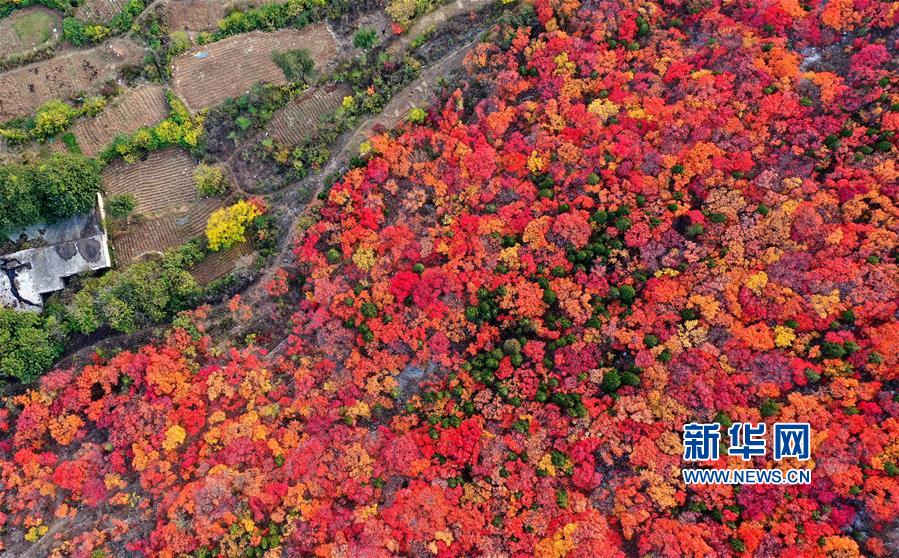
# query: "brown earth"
[[219, 264], [292, 124], [136, 108], [207, 75], [100, 11], [156, 234], [169, 209], [196, 15], [24, 89], [163, 182]]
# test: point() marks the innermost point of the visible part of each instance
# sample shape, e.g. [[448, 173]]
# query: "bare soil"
[[136, 108], [169, 209], [24, 89], [100, 11], [219, 264], [298, 120], [155, 235], [161, 183], [207, 75], [196, 15]]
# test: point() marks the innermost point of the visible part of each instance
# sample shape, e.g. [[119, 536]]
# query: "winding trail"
[[435, 18], [416, 94], [150, 7]]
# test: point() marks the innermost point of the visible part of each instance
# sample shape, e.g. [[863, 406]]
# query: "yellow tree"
[[227, 226]]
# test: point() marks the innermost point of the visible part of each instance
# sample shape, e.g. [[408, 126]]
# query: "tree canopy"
[[47, 191]]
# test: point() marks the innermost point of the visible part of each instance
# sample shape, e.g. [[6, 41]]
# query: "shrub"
[[402, 11], [297, 65], [178, 129], [120, 207], [278, 15], [210, 181], [80, 33], [417, 115], [179, 42], [52, 117], [366, 39]]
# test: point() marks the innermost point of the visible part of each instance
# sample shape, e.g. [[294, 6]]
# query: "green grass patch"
[[71, 143], [33, 28]]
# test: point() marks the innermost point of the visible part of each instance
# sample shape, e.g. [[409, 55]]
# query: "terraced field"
[[300, 118], [209, 74], [24, 89], [219, 264], [99, 10], [27, 29], [156, 234], [163, 182], [135, 109], [196, 15], [172, 211]]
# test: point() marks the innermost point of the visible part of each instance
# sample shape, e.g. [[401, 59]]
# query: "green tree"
[[17, 206], [29, 344], [179, 42], [137, 296], [65, 185], [80, 33], [47, 190], [297, 65]]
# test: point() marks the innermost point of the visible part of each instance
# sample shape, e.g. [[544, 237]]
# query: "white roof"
[[76, 245]]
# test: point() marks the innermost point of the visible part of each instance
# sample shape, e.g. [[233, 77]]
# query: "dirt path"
[[148, 9], [434, 19], [44, 544], [416, 94]]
